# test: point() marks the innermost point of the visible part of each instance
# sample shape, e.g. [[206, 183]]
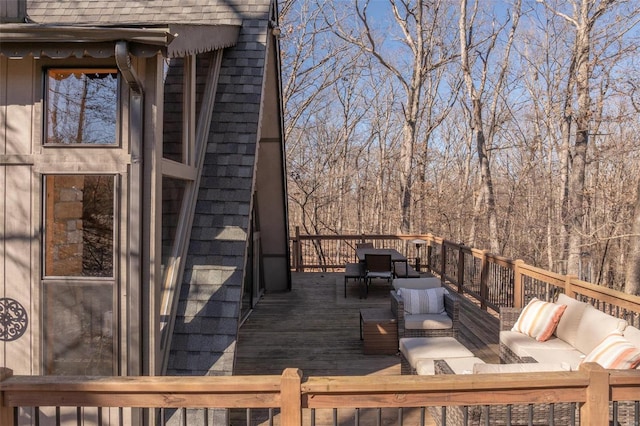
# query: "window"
[[79, 225], [79, 269], [81, 107]]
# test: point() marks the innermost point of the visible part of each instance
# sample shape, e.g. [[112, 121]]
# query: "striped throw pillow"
[[615, 352], [539, 319], [423, 301]]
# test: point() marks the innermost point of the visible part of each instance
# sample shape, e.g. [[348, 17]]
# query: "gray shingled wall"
[[205, 333]]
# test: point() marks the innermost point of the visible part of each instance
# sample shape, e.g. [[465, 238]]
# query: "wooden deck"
[[316, 329]]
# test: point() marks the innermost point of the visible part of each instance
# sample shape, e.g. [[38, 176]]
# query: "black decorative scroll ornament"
[[13, 319]]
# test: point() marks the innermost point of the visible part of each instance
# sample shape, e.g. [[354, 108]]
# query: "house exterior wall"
[[17, 228], [24, 162], [244, 145]]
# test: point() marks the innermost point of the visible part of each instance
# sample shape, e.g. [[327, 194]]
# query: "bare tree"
[[350, 117], [423, 26], [475, 93], [632, 281], [632, 273], [585, 15]]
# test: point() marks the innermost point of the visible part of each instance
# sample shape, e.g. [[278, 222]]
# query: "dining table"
[[396, 256]]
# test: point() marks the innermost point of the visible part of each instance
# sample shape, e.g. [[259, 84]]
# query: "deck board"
[[314, 328]]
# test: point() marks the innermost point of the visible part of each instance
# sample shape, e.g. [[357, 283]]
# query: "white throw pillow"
[[539, 319], [429, 301]]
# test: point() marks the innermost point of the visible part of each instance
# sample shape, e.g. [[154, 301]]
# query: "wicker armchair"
[[451, 307], [535, 414]]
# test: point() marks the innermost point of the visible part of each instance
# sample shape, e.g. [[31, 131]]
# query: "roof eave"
[[173, 40]]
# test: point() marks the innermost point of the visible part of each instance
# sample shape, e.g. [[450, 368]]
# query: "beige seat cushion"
[[427, 322], [462, 365], [567, 328], [517, 368], [594, 327], [520, 343], [569, 357], [415, 348], [416, 283]]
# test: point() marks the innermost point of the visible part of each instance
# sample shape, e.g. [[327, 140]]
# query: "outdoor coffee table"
[[413, 349]]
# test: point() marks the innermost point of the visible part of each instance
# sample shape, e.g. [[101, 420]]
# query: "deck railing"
[[494, 281], [592, 389]]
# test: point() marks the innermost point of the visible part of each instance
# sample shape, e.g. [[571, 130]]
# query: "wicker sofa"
[[535, 414], [580, 329]]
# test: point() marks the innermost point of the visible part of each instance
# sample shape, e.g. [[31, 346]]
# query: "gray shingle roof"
[[105, 12], [204, 339]]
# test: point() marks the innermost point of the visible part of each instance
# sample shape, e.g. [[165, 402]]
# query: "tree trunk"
[[485, 174], [632, 281], [406, 161], [579, 158]]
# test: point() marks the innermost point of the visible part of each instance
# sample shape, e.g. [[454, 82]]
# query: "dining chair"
[[377, 266], [364, 245]]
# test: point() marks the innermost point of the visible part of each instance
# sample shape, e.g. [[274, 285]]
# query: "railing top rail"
[[624, 300], [495, 258], [128, 384], [527, 269], [448, 383], [359, 237]]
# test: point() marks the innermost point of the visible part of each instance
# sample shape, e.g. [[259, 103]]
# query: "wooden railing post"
[[6, 413], [484, 280], [291, 397], [443, 261], [595, 411], [460, 268], [518, 286], [568, 288], [298, 251]]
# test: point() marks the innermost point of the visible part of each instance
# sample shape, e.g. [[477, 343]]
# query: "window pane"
[[79, 218], [172, 146], [78, 329], [82, 106]]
